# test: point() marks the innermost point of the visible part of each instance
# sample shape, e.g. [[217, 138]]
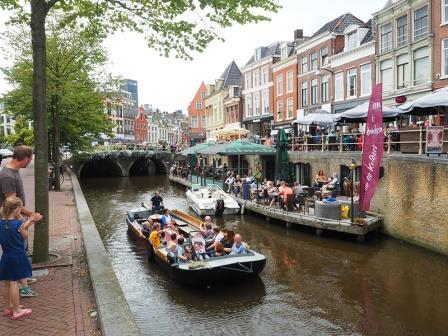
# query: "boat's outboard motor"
[[219, 208], [171, 257]]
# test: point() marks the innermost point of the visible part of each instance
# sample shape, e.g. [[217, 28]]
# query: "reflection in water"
[[311, 285]]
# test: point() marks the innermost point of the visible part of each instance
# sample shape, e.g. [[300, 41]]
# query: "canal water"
[[311, 285]]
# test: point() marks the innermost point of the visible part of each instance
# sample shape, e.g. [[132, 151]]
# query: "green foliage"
[[179, 27], [75, 60]]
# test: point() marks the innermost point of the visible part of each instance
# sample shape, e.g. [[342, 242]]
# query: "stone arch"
[[101, 168], [161, 167], [142, 167]]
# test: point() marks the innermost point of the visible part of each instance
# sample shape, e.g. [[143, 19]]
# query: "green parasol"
[[281, 158], [194, 150]]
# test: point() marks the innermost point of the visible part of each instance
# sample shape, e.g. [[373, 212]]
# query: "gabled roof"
[[339, 24], [232, 75], [273, 49], [370, 36]]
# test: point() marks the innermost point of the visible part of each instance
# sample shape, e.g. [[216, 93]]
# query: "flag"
[[373, 148]]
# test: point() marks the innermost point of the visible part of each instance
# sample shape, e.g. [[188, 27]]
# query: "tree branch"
[[51, 3]]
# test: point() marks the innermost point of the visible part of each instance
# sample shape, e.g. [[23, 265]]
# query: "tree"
[[75, 106], [170, 26]]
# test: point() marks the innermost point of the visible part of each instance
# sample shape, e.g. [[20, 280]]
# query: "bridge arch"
[[103, 167]]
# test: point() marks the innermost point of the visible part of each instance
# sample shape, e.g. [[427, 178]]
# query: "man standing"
[[11, 185], [156, 202]]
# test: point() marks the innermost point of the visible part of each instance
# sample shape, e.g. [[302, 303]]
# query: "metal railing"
[[405, 140]]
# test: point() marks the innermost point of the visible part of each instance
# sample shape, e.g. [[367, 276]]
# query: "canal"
[[311, 285]]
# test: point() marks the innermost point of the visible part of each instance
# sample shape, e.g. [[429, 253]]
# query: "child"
[[14, 264]]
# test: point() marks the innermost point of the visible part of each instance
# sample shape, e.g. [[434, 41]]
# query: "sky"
[[170, 84]]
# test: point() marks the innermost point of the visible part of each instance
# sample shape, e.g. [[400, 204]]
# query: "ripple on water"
[[310, 286]]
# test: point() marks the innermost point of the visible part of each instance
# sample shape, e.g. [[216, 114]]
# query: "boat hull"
[[211, 212]]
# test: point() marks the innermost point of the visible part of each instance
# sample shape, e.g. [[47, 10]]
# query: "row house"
[[120, 109], [315, 80], [440, 31], [353, 69], [405, 45], [7, 122], [258, 90], [233, 110], [141, 126], [217, 94], [153, 133], [197, 114], [284, 74]]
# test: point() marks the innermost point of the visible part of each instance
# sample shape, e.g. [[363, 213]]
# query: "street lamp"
[[352, 181]]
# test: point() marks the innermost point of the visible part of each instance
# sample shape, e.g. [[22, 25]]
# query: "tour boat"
[[210, 271], [211, 200]]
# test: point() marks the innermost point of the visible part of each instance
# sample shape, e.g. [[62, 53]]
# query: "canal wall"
[[114, 314], [412, 195]]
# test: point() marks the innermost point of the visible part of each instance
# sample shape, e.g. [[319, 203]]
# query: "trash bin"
[[345, 209]]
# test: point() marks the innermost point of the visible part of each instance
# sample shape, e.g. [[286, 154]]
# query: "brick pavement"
[[65, 297]]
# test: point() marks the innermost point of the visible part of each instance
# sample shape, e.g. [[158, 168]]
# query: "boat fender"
[[242, 209]]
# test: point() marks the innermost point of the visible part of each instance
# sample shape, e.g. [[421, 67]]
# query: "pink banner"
[[373, 148]]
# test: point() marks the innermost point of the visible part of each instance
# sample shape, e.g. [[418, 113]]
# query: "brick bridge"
[[121, 163]]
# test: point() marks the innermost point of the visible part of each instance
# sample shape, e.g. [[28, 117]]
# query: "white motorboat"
[[211, 200]]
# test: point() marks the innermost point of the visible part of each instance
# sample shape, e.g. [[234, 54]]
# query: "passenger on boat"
[[238, 247], [219, 250], [227, 242], [180, 252], [219, 236], [154, 237], [147, 227], [156, 202], [167, 220], [206, 228]]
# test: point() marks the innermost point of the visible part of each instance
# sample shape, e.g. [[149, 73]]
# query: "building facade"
[[7, 122], [404, 44], [440, 30], [284, 74], [258, 90], [217, 94], [233, 113], [131, 86], [141, 127], [197, 114], [315, 78], [120, 109], [353, 68]]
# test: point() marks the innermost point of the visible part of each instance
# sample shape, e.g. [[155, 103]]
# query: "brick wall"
[[440, 33]]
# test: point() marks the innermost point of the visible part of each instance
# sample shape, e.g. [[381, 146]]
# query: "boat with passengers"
[[209, 271]]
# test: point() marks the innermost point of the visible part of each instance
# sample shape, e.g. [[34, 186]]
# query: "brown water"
[[311, 285]]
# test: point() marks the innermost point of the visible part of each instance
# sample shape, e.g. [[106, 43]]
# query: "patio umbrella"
[[320, 118], [430, 104], [193, 150], [281, 158], [359, 114]]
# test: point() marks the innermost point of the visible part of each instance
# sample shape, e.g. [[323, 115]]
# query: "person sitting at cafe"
[[229, 182], [167, 220], [320, 179], [238, 246], [154, 237], [283, 192], [156, 202], [297, 189], [272, 193], [237, 185]]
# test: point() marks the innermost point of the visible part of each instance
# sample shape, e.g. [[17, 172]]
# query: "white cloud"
[[171, 83]]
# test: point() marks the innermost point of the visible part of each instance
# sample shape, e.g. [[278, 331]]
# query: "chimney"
[[298, 34]]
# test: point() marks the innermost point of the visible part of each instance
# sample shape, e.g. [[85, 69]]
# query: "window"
[[402, 31], [279, 85], [198, 105], [257, 104], [289, 108], [248, 80], [445, 57], [366, 79], [279, 109], [284, 52], [420, 23], [204, 121], [351, 83], [256, 77], [339, 86], [258, 54], [194, 122], [203, 95], [264, 75], [386, 73], [403, 71], [249, 105], [352, 40], [324, 89], [444, 11], [265, 102], [314, 92], [386, 37], [304, 64], [304, 94], [421, 66], [289, 81], [324, 56], [313, 60]]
